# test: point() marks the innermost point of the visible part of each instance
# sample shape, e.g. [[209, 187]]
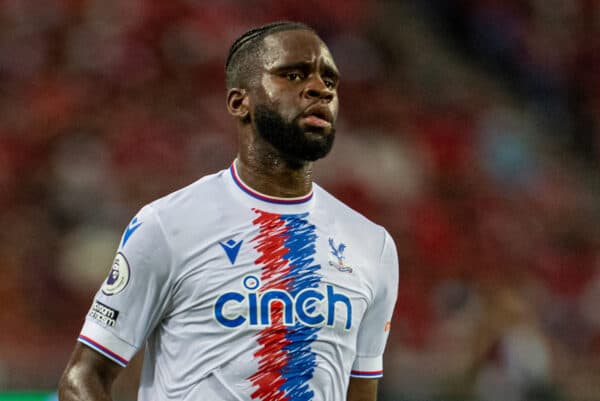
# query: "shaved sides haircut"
[[245, 50]]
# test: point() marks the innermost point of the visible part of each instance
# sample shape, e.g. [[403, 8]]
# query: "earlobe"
[[238, 103]]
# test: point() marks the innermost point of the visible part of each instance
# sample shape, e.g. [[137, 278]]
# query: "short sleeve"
[[133, 298], [375, 326]]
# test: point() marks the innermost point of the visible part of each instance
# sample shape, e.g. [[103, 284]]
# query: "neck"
[[271, 174]]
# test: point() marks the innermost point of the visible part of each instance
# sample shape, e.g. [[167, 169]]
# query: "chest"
[[274, 270]]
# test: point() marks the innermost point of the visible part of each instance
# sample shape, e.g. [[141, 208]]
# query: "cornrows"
[[247, 44], [260, 32]]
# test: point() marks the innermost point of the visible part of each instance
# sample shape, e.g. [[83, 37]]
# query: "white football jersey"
[[241, 296]]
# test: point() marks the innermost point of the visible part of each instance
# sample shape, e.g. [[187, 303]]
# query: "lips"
[[318, 116], [316, 121]]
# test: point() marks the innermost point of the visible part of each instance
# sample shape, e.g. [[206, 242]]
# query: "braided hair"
[[248, 46]]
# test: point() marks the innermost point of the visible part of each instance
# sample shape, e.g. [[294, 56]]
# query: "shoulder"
[[205, 189], [367, 244], [189, 209], [349, 219]]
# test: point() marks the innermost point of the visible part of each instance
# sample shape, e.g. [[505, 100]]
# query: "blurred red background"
[[470, 129]]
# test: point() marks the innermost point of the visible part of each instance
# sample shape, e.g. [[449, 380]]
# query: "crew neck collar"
[[301, 200]]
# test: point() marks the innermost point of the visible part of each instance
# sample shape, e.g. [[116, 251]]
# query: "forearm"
[[362, 390]]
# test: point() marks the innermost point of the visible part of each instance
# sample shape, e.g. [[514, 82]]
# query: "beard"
[[289, 138]]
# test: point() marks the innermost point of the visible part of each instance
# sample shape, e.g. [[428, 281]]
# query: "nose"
[[316, 89]]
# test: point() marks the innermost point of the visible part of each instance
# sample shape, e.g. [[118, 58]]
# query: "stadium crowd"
[[470, 129]]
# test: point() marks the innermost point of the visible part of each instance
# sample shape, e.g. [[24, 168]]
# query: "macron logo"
[[231, 248], [133, 226]]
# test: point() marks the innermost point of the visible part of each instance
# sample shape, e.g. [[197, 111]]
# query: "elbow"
[[88, 376], [81, 383], [67, 386]]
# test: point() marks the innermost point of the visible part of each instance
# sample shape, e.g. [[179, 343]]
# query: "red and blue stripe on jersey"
[[286, 245], [103, 350]]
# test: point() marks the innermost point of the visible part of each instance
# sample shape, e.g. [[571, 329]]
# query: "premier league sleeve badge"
[[118, 277]]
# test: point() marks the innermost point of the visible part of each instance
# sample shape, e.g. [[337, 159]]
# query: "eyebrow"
[[330, 71], [307, 65]]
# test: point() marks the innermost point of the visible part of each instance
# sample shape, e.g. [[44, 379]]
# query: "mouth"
[[318, 117]]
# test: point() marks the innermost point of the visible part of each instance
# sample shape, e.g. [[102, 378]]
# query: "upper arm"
[[124, 311], [136, 293], [375, 325], [362, 389], [88, 375]]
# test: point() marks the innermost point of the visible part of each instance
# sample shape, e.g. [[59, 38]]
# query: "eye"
[[329, 82], [294, 76]]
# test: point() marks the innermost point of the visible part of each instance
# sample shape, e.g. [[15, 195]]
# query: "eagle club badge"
[[338, 253]]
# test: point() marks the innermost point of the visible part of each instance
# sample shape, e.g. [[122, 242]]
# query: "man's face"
[[295, 105]]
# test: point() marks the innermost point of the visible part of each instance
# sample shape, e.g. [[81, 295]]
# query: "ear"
[[238, 103]]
